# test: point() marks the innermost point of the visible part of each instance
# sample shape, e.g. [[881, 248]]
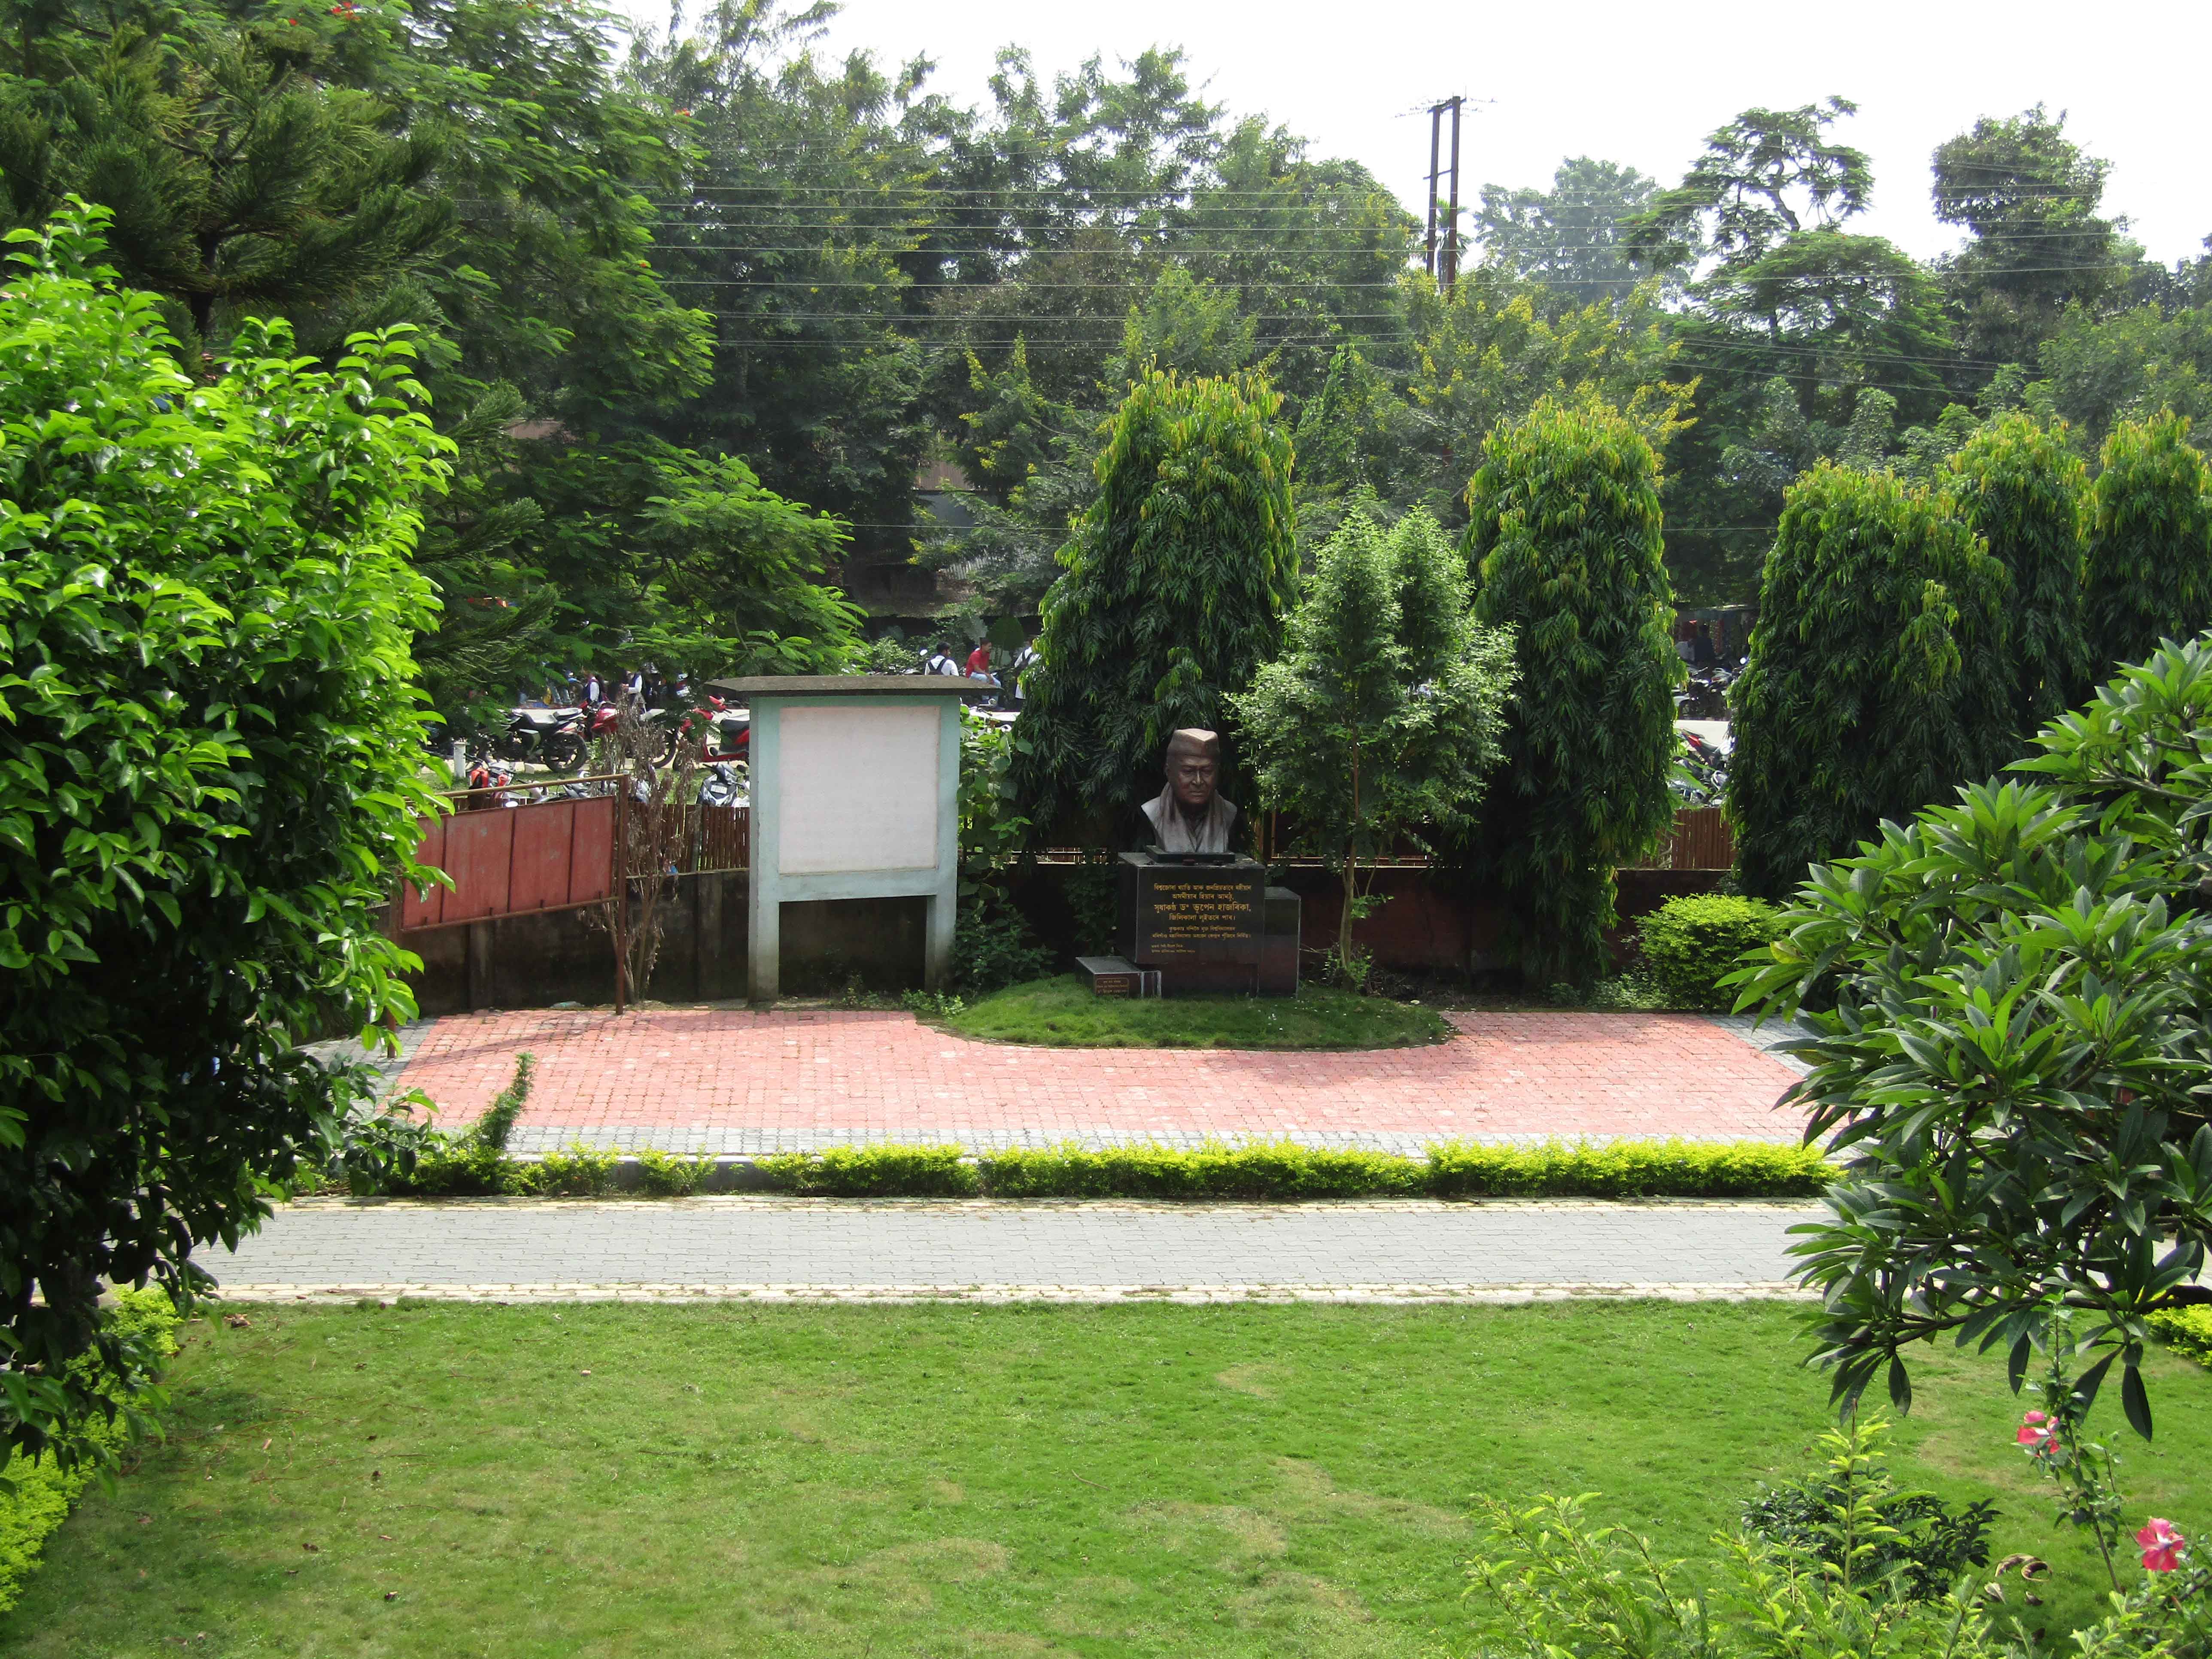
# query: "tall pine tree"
[[2150, 543], [1878, 679], [1170, 596], [2017, 484], [1379, 723], [1566, 539]]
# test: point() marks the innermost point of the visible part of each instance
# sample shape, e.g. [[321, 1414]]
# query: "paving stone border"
[[665, 1295]]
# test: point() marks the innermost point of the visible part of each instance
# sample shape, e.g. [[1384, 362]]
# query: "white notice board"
[[858, 789]]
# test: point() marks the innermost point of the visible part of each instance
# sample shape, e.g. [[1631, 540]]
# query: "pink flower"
[[2036, 1430], [2161, 1545]]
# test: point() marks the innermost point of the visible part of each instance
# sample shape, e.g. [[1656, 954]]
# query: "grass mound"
[[1062, 1013]]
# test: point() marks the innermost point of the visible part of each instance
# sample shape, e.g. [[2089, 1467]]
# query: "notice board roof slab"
[[848, 685]]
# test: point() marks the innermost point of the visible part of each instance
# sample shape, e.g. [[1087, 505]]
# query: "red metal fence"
[[516, 861]]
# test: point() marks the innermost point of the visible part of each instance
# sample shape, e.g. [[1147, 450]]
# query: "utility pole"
[[1446, 269]]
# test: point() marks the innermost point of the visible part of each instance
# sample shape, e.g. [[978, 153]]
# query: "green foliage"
[[1171, 595], [2017, 486], [1286, 1171], [1571, 238], [580, 1172], [1378, 726], [1692, 944], [489, 1132], [1850, 1515], [209, 766], [2014, 1055], [1547, 1581], [1878, 678], [994, 945], [1628, 1168], [2029, 197], [2150, 543], [35, 1496], [2185, 1330], [662, 1175], [1256, 1170], [873, 1172], [1565, 539]]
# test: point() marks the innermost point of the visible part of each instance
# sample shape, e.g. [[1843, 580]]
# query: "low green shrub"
[[1272, 1169], [35, 1496], [580, 1172], [1288, 1171], [934, 1005], [873, 1172], [1691, 944], [2187, 1331], [663, 1175], [1629, 1168], [1913, 1540]]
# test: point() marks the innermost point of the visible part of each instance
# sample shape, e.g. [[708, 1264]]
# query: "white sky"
[[1639, 83]]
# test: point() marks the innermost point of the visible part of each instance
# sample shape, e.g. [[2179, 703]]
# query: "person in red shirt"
[[979, 662]]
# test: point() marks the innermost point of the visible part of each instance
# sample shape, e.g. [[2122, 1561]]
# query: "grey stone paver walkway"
[[786, 1248]]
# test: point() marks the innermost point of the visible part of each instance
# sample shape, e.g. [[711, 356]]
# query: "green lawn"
[[945, 1481], [1063, 1013]]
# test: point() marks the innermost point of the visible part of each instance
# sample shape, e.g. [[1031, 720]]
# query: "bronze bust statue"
[[1190, 816]]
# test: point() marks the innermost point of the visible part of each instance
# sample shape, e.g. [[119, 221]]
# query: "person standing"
[[594, 693], [939, 661]]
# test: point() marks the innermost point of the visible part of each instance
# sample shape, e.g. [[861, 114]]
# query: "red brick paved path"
[[731, 1080]]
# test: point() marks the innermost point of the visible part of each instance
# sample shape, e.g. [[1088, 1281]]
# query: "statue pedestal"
[[1206, 928]]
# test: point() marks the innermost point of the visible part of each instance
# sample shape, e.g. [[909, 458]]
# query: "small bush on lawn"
[[39, 1498], [1691, 944], [1548, 1580], [873, 1172], [1912, 1539]]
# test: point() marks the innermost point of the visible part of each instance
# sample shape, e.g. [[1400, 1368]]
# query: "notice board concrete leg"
[[937, 941]]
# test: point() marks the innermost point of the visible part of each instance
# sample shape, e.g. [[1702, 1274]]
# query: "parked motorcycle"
[[553, 738]]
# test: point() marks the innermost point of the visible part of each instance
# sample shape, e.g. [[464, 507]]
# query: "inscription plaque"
[[1200, 925]]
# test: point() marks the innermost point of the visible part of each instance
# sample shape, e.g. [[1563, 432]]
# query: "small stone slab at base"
[[1115, 977]]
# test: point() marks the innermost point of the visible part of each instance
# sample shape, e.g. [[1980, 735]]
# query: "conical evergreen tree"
[[1379, 723], [1565, 538], [2025, 493], [1878, 679], [1170, 596], [2150, 543]]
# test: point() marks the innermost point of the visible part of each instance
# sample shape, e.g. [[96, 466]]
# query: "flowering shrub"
[[2162, 1546]]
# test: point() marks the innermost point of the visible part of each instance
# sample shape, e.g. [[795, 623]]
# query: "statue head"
[[1194, 767]]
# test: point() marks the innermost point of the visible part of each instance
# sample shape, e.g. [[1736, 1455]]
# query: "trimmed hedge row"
[[1286, 1171], [41, 1494], [2188, 1331]]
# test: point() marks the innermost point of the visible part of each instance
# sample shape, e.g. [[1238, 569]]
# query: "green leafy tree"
[[2014, 1062], [1171, 595], [2031, 198], [1878, 678], [2099, 371], [1767, 176], [1573, 238], [210, 756], [2019, 487], [1565, 543], [1379, 724], [2150, 543]]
